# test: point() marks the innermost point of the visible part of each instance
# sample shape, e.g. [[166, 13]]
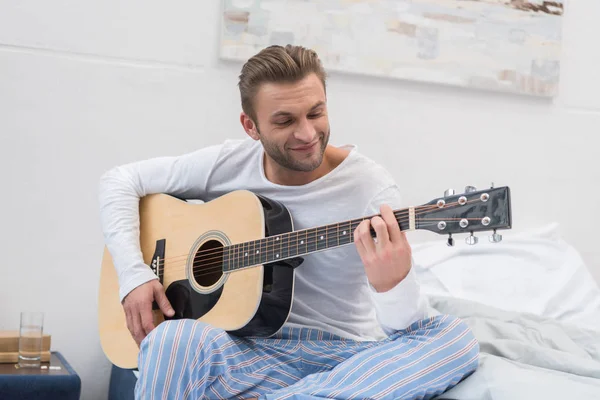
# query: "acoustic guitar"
[[230, 262]]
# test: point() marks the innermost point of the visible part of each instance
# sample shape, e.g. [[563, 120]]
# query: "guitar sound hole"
[[208, 263]]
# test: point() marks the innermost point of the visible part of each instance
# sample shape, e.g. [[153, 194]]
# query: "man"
[[357, 328]]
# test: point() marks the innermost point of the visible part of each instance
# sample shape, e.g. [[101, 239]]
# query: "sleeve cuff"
[[134, 277], [400, 306]]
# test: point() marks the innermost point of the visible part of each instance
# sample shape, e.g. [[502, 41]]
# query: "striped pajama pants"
[[187, 359]]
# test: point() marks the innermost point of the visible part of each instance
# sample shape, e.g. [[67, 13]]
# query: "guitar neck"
[[302, 242], [473, 211]]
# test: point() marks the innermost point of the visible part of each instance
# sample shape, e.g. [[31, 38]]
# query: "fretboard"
[[297, 243]]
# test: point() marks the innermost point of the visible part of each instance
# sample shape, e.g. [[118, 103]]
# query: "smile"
[[306, 148]]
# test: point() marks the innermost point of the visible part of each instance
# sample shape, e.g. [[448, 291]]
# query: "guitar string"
[[298, 233], [214, 270], [236, 258], [310, 240], [309, 243], [396, 213]]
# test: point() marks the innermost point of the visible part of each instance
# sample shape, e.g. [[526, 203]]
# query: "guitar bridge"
[[157, 264], [158, 259]]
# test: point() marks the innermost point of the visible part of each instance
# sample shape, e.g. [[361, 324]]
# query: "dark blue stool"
[[38, 384], [122, 384]]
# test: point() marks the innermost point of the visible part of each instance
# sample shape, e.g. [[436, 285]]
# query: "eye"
[[284, 122], [315, 115]]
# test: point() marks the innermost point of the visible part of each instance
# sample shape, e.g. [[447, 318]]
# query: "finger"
[[358, 243], [138, 332], [381, 230], [147, 319], [364, 236], [393, 227], [163, 301], [129, 320]]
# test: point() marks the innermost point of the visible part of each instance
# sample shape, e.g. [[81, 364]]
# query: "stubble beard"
[[286, 160]]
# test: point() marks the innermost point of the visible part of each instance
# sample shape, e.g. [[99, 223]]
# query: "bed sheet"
[[535, 272], [525, 356]]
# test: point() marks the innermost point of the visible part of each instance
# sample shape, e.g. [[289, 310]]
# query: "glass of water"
[[30, 339]]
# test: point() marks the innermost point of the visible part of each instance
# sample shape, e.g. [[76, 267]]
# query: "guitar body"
[[181, 241]]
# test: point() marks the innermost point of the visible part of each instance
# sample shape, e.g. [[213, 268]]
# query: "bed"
[[532, 304]]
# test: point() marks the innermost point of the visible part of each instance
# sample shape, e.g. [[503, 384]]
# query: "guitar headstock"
[[469, 212]]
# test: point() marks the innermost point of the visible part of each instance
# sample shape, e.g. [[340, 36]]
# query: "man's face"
[[292, 123]]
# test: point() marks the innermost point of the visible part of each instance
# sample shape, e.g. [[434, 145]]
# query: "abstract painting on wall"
[[502, 45]]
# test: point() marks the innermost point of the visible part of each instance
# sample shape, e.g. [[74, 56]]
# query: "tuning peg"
[[448, 192], [471, 240], [469, 189], [495, 237], [450, 242]]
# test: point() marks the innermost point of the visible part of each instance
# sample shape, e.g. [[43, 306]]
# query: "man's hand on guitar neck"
[[387, 259], [138, 308]]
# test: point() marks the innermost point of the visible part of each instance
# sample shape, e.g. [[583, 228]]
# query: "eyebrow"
[[286, 113]]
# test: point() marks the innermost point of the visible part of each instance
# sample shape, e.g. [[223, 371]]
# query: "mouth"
[[306, 148]]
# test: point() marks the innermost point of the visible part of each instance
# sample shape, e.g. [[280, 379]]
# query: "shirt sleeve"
[[403, 304], [119, 192]]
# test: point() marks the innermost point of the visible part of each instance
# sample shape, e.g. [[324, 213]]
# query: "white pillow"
[[535, 272]]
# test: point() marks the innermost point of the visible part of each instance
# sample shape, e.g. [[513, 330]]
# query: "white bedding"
[[524, 356], [535, 272]]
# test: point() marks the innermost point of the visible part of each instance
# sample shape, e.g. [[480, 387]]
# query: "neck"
[[302, 242]]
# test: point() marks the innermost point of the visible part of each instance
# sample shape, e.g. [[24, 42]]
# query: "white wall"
[[88, 85]]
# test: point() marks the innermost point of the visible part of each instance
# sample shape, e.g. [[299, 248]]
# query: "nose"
[[305, 131]]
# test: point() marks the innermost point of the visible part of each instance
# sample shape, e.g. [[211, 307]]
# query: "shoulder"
[[377, 182], [367, 180], [237, 149], [367, 170]]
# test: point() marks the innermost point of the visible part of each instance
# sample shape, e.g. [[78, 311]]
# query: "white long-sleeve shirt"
[[331, 289]]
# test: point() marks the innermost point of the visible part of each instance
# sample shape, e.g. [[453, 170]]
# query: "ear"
[[249, 126]]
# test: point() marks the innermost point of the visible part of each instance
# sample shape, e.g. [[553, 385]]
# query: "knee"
[[174, 334], [461, 340], [452, 336]]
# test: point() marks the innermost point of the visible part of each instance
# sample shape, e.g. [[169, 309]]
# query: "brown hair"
[[277, 64]]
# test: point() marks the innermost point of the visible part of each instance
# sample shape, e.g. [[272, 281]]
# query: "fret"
[[311, 240], [321, 238], [226, 258], [354, 225], [260, 252], [403, 222], [245, 254], [277, 247], [270, 256], [302, 242], [333, 239], [285, 245], [236, 256], [249, 259], [293, 244], [252, 252], [231, 257], [233, 264], [256, 251], [266, 250], [346, 232]]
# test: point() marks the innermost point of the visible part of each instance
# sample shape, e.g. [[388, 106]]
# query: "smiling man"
[[357, 327]]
